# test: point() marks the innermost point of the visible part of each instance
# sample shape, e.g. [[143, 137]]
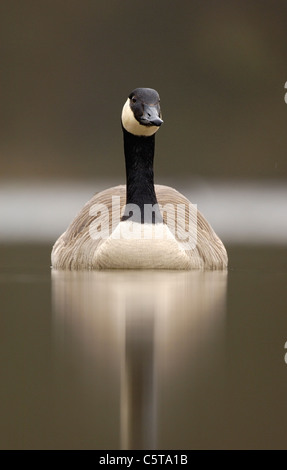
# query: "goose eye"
[[134, 99]]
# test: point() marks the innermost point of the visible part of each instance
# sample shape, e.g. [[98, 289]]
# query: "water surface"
[[143, 359]]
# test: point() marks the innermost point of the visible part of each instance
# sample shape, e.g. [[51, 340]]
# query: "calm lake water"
[[143, 360]]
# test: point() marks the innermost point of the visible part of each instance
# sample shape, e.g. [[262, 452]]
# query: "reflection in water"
[[139, 331]]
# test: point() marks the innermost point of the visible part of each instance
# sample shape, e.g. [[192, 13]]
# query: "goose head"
[[141, 113]]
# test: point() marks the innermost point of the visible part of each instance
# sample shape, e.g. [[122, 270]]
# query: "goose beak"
[[151, 116], [156, 122]]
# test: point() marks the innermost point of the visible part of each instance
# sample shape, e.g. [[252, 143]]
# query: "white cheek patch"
[[132, 125]]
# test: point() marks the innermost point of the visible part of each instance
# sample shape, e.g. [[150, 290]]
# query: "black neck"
[[139, 155]]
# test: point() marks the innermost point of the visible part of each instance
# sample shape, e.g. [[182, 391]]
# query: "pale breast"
[[147, 246]]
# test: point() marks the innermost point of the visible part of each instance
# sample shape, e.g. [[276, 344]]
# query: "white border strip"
[[240, 212]]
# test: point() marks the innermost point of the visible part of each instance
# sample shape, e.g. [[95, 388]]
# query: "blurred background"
[[220, 68], [202, 352]]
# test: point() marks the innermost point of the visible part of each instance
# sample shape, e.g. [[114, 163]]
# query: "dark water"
[[124, 360]]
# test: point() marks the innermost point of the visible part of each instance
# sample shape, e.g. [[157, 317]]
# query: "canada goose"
[[140, 225]]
